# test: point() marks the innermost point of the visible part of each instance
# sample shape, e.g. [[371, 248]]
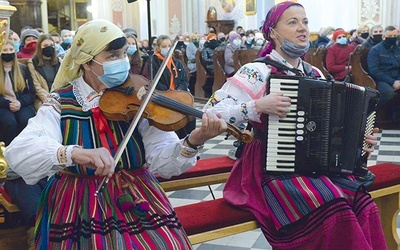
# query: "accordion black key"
[[324, 132]]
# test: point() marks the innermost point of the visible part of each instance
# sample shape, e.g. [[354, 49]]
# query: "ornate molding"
[[370, 12], [117, 5]]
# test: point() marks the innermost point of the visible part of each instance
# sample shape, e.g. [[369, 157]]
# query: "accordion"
[[324, 132]]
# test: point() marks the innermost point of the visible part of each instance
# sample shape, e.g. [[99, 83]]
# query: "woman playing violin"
[[71, 142]]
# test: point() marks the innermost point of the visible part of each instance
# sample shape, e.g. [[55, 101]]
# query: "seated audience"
[[221, 39], [363, 32], [234, 43], [16, 95], [15, 39], [191, 50], [174, 76], [57, 43], [196, 39], [135, 55], [208, 52], [375, 36], [249, 42], [337, 56], [66, 36], [384, 67], [43, 68], [259, 41], [324, 38], [28, 40], [354, 39]]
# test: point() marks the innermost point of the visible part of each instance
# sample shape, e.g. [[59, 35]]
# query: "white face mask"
[[202, 41]]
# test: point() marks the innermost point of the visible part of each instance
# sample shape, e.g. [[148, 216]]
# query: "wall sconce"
[[6, 11]]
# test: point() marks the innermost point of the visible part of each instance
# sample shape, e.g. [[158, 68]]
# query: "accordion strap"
[[278, 65]]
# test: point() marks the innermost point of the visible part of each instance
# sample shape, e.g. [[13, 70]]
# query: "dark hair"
[[389, 28], [116, 44]]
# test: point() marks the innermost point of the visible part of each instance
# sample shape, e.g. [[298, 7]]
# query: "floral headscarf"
[[271, 20], [91, 38]]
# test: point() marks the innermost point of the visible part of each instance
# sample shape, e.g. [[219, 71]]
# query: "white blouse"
[[237, 96], [33, 153]]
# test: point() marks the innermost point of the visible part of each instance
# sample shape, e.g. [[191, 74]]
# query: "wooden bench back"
[[219, 73], [309, 56], [318, 59], [359, 67], [243, 56], [201, 75], [178, 54]]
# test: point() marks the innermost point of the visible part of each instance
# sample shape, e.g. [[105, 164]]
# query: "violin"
[[168, 110]]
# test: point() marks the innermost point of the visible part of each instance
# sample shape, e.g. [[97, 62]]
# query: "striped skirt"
[[132, 212]]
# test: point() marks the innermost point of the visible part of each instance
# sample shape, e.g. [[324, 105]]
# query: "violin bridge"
[[141, 92]]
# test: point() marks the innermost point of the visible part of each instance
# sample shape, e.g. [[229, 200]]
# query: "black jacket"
[[181, 82], [26, 96]]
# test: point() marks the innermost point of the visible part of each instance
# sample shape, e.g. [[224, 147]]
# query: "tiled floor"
[[388, 150]]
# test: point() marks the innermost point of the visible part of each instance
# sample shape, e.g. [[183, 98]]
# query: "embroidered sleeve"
[[52, 101], [236, 97]]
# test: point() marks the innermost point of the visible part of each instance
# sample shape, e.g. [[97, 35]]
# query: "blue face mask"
[[115, 72], [131, 49], [260, 42], [342, 41], [67, 40], [16, 46], [237, 42]]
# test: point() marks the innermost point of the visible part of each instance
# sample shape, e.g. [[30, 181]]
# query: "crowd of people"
[[58, 159]]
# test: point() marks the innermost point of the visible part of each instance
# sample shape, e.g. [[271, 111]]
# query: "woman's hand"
[[99, 159], [372, 140], [211, 126], [273, 104], [15, 106]]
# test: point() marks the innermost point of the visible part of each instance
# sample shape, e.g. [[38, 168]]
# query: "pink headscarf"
[[271, 20]]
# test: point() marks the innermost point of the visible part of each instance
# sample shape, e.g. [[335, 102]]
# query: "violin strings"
[[177, 106]]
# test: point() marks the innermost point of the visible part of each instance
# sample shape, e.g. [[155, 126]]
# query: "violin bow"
[[137, 117]]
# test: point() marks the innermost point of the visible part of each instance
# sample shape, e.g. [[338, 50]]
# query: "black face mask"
[[377, 38], [364, 35], [222, 39], [8, 57], [391, 41], [48, 51]]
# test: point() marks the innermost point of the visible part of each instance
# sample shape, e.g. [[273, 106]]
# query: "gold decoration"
[[6, 10], [3, 163]]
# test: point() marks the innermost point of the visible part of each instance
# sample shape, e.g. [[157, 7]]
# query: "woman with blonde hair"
[[16, 95]]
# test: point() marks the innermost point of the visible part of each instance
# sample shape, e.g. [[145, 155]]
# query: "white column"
[[45, 18]]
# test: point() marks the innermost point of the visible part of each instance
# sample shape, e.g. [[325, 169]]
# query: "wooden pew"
[[219, 72], [318, 59], [359, 67], [243, 56], [360, 76], [309, 56]]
